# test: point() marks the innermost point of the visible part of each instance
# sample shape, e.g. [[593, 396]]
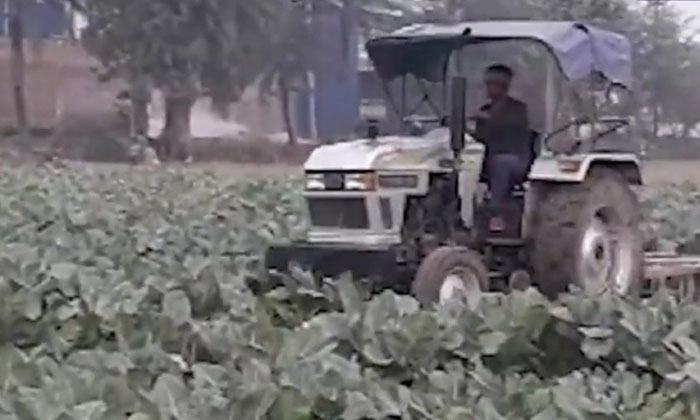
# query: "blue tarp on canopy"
[[424, 50]]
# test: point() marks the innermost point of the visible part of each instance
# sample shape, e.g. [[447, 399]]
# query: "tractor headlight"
[[360, 181], [315, 182], [338, 181], [398, 181]]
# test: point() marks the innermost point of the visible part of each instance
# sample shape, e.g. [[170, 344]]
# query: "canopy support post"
[[403, 97], [551, 97]]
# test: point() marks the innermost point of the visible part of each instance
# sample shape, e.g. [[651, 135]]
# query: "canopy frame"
[[579, 50]]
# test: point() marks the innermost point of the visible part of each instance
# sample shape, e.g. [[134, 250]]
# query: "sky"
[[689, 8]]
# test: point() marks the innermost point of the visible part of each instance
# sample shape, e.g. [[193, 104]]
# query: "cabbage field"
[[138, 295]]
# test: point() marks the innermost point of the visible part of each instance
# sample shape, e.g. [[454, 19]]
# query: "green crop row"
[[130, 295]]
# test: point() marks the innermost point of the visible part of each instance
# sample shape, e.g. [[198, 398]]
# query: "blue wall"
[[334, 62], [42, 19]]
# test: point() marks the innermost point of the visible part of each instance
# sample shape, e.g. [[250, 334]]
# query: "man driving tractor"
[[405, 210], [502, 126]]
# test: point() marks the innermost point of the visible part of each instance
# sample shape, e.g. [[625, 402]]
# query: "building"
[[42, 19], [330, 109], [58, 74]]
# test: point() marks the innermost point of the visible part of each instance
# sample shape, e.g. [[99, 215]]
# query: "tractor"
[[409, 210]]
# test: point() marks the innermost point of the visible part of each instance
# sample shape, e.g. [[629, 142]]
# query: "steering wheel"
[[423, 119], [579, 121], [616, 122]]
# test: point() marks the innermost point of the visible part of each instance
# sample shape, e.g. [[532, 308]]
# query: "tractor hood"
[[383, 153]]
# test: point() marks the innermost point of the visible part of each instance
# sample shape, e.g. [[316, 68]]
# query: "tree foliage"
[[220, 47], [182, 46], [185, 48]]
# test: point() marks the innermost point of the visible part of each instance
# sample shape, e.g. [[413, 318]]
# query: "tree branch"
[[77, 5]]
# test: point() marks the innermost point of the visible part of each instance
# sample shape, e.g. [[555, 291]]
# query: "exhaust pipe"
[[458, 119]]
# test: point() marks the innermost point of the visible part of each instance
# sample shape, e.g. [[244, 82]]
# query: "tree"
[[660, 54], [287, 64], [185, 48], [217, 47]]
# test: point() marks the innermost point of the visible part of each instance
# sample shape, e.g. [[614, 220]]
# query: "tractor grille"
[[346, 213], [333, 181]]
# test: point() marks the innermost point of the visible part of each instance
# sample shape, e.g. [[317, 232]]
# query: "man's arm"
[[476, 128], [520, 115]]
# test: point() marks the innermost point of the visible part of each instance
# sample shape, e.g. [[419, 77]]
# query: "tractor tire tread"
[[558, 221], [436, 266]]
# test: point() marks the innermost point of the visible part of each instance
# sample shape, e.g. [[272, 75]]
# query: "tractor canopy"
[[424, 50]]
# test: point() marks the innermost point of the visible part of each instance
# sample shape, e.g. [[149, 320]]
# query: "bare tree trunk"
[[227, 93], [176, 136], [140, 98], [18, 65], [140, 116], [655, 122], [287, 111], [221, 107]]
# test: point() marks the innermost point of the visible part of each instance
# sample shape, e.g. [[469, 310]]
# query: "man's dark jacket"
[[506, 131]]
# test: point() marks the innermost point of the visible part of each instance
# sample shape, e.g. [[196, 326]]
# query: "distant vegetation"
[[218, 48]]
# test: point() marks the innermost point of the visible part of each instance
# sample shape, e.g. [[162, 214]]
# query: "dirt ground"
[[662, 172]]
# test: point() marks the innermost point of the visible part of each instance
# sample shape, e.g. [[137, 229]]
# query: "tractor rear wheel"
[[588, 235], [450, 273]]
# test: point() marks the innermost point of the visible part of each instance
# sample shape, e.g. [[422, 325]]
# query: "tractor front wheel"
[[450, 273], [588, 235]]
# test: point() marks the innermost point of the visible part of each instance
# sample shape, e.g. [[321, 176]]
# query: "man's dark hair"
[[501, 69]]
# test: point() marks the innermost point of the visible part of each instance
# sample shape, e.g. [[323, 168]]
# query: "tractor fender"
[[574, 168]]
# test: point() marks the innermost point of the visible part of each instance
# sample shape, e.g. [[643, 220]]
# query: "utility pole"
[[656, 20], [18, 63]]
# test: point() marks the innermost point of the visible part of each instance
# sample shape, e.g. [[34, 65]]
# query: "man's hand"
[[473, 119], [481, 115], [470, 127]]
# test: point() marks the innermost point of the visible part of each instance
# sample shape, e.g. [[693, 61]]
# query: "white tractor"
[[410, 210]]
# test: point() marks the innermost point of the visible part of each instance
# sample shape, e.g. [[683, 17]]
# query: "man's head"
[[497, 79]]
